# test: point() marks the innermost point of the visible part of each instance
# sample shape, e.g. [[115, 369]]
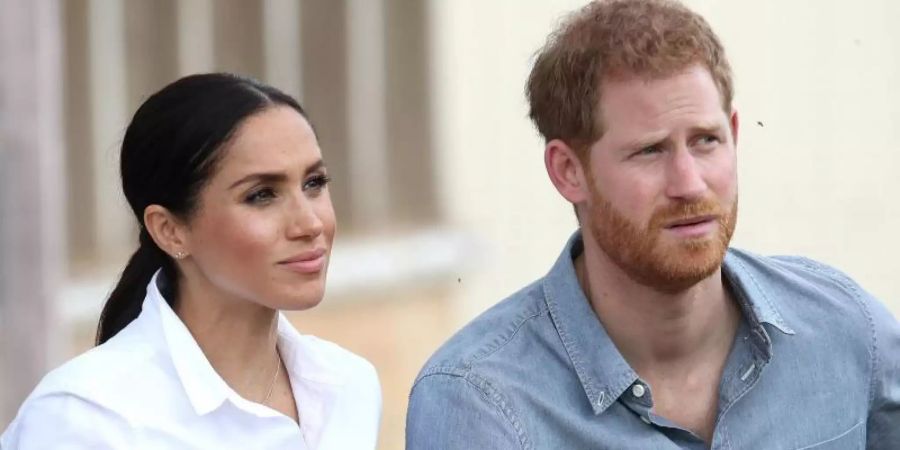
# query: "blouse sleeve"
[[65, 421]]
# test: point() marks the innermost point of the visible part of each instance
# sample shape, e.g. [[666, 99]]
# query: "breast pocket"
[[852, 439]]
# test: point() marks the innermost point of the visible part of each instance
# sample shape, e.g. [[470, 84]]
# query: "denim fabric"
[[815, 364]]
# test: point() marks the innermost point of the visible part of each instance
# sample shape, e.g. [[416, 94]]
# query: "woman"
[[226, 179]]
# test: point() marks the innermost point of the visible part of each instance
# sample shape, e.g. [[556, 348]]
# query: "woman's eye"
[[316, 183], [260, 196]]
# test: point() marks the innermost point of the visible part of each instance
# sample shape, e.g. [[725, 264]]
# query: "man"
[[649, 332]]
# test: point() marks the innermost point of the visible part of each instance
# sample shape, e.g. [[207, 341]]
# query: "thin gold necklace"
[[274, 378]]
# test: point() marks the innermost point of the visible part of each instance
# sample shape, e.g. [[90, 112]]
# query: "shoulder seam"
[[486, 391], [502, 341], [850, 286]]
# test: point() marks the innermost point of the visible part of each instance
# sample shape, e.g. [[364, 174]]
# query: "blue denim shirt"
[[814, 365]]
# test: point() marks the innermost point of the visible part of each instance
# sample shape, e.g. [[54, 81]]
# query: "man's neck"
[[656, 332], [677, 343]]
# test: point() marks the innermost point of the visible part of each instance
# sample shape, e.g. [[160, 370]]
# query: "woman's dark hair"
[[170, 151]]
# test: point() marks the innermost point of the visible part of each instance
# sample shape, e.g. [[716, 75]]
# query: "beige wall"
[[820, 177], [818, 149]]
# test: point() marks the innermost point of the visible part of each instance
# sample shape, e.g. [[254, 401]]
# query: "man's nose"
[[684, 177]]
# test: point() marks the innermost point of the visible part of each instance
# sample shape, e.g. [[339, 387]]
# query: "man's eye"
[[708, 140], [648, 150]]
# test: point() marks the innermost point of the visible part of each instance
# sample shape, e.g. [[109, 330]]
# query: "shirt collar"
[[603, 372], [205, 389], [744, 274], [304, 360], [307, 357], [601, 368]]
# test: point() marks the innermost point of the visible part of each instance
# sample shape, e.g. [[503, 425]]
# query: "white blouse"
[[151, 387]]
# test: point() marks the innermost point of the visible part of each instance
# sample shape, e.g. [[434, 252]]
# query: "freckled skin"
[[668, 153], [236, 244]]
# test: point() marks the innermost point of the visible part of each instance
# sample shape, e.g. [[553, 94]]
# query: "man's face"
[[663, 179]]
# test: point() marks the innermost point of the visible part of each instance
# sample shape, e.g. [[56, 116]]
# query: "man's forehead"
[[645, 99], [695, 74]]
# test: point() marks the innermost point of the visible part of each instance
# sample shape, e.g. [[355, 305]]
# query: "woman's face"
[[264, 225]]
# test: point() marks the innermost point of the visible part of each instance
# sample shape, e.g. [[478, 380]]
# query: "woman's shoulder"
[[85, 399], [54, 418], [105, 370], [318, 359], [337, 355], [346, 381]]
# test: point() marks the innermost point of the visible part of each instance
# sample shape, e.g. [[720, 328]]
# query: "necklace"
[[274, 378]]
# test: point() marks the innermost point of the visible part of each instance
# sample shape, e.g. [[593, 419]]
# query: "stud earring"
[[180, 254]]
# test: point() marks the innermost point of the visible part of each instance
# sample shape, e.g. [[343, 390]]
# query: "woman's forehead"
[[277, 138]]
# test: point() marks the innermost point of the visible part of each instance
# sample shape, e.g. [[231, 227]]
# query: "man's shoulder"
[[803, 291], [490, 335], [792, 272], [482, 377]]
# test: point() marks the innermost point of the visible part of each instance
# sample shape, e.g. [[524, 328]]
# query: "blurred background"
[[443, 204]]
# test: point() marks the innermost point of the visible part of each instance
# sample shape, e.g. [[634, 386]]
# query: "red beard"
[[663, 264]]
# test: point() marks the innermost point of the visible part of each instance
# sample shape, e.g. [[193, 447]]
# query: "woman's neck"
[[238, 337]]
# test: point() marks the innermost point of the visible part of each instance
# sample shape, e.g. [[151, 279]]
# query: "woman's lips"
[[307, 262]]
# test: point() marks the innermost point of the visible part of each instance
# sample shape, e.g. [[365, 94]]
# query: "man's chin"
[[681, 267], [680, 281]]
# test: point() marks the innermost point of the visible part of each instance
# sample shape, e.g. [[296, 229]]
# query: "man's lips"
[[689, 221], [693, 227], [307, 262]]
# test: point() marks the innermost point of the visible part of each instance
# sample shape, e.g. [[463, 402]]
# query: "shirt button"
[[638, 390]]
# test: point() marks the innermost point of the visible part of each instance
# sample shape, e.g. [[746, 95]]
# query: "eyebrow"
[[644, 141], [707, 128], [275, 177], [703, 128]]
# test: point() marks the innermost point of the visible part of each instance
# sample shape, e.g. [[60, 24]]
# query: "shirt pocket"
[[852, 439]]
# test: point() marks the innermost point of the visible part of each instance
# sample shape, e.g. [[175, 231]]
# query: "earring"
[[180, 254]]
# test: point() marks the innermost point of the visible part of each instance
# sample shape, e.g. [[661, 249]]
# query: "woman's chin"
[[300, 300], [300, 304]]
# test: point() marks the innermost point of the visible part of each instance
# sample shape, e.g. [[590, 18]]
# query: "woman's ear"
[[168, 232]]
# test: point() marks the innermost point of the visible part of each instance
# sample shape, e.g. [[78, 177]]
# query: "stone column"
[[367, 79], [282, 47], [31, 193]]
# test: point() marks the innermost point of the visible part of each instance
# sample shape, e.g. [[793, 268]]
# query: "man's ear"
[[735, 125], [167, 231], [566, 171]]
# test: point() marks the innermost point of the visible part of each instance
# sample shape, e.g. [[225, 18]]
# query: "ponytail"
[[125, 301]]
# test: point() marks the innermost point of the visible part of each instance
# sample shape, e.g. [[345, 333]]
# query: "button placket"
[[638, 390]]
